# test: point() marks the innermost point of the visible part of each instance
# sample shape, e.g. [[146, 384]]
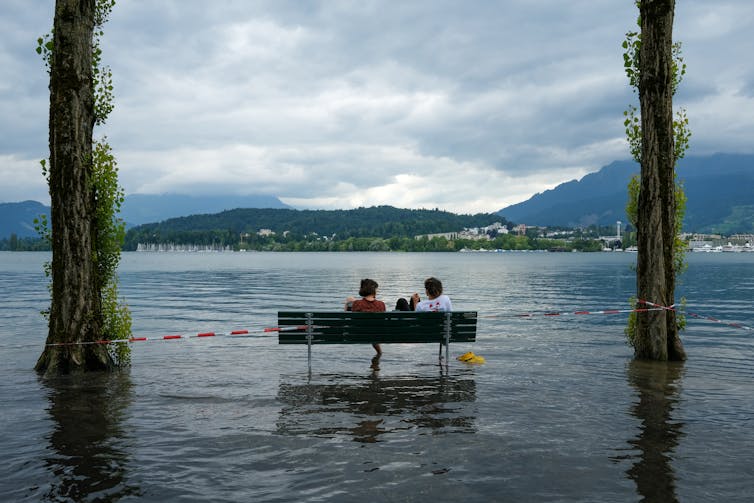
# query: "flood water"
[[559, 411]]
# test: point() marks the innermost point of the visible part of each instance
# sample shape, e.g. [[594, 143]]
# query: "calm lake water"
[[559, 412]]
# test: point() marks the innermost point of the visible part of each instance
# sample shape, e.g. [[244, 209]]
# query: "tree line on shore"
[[406, 244], [224, 239], [380, 228]]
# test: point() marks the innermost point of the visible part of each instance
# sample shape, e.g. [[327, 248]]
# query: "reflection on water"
[[368, 407], [657, 386], [86, 456]]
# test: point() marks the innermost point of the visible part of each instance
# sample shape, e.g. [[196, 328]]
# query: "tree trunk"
[[657, 333], [75, 310]]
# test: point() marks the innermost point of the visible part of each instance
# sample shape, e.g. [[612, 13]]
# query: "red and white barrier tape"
[[294, 328], [288, 329], [698, 316], [234, 333], [246, 333], [574, 313]]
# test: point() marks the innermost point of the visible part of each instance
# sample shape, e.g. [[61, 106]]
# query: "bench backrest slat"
[[344, 327]]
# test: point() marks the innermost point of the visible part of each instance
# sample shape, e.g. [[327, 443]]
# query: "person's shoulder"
[[424, 305], [360, 302], [370, 306]]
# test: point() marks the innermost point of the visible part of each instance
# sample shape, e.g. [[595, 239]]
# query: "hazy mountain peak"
[[719, 187]]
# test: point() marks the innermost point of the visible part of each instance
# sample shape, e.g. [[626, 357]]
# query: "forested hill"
[[377, 221]]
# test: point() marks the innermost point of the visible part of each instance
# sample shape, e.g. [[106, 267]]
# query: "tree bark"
[[657, 333], [75, 310]]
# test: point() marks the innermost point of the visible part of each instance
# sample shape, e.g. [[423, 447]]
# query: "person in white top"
[[436, 301]]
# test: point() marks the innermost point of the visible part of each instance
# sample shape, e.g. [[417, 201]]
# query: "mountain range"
[[137, 209], [719, 188], [720, 191], [18, 218]]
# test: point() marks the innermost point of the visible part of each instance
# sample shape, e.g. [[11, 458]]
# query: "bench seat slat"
[[343, 327]]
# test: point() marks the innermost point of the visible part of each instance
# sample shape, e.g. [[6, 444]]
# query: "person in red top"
[[368, 303]]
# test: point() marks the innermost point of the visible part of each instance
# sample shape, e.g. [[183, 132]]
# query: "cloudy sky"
[[467, 106]]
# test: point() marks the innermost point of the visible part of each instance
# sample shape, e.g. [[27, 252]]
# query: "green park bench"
[[346, 327]]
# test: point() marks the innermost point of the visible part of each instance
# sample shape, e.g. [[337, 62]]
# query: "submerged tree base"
[[74, 358]]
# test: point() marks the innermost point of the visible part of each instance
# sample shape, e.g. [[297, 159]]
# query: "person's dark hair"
[[402, 305], [433, 287], [368, 287]]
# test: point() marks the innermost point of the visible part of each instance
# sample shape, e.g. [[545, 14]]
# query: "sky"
[[466, 106]]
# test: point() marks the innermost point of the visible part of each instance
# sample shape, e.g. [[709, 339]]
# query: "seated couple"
[[436, 301]]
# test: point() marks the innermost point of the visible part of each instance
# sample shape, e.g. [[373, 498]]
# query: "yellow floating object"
[[471, 358]]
